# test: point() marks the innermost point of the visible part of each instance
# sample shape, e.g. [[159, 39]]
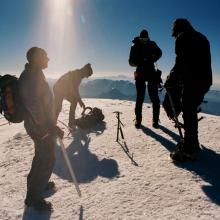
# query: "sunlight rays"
[[58, 29]]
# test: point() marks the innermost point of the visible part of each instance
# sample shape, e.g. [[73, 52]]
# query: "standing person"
[[40, 126], [144, 53], [193, 71], [67, 87]]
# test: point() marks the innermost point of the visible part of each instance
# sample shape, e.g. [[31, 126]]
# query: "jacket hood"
[[140, 40]]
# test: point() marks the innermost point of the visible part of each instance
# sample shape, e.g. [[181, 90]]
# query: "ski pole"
[[174, 113], [72, 174]]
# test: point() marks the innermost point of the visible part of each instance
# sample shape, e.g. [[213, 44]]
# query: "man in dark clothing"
[[144, 53], [193, 71], [40, 125], [67, 87]]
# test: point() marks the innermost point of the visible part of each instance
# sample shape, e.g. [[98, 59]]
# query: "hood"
[[139, 40]]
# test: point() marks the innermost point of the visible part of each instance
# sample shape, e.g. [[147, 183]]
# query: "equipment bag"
[[92, 118], [176, 95], [10, 104], [133, 56]]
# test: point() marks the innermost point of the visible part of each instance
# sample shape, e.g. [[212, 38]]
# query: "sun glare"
[[58, 25]]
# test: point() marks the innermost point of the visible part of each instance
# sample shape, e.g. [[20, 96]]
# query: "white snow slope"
[[152, 187]]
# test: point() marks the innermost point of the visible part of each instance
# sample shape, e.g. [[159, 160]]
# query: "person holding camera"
[[192, 70], [143, 54]]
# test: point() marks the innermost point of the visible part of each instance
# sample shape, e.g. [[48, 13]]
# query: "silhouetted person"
[[39, 123], [67, 87], [193, 71], [144, 53]]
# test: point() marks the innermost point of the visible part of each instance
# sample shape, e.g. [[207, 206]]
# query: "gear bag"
[[176, 94], [134, 56], [10, 103], [92, 118]]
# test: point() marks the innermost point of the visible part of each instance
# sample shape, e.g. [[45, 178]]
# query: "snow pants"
[[42, 167], [153, 94]]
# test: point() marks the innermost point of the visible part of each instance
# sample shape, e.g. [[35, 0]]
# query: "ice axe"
[[174, 114], [72, 174]]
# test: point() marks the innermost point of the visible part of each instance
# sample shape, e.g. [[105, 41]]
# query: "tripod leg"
[[122, 135]]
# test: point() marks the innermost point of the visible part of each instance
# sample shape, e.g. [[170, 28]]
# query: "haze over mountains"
[[123, 88]]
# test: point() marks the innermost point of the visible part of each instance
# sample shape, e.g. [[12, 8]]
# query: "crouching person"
[[67, 87], [39, 123]]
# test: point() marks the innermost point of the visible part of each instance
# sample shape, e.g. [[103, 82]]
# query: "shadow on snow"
[[86, 165], [206, 166]]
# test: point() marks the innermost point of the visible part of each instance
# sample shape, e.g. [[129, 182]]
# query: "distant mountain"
[[109, 89], [125, 90], [116, 94], [100, 86]]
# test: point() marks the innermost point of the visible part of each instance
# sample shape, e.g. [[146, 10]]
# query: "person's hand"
[[82, 105]]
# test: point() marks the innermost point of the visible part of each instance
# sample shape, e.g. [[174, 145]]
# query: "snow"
[[112, 186]]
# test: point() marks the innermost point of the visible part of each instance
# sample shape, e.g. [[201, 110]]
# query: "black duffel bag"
[[176, 95], [90, 119]]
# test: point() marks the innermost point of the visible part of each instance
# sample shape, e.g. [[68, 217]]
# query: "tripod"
[[120, 132]]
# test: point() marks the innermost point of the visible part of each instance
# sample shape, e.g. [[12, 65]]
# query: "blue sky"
[[75, 32]]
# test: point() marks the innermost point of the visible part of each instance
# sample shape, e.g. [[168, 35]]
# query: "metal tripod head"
[[118, 117]]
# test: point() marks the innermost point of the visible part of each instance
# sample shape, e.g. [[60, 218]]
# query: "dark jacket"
[[38, 101], [193, 59], [144, 53]]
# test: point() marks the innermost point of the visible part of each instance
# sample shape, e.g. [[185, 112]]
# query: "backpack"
[[134, 56], [176, 94], [10, 104], [91, 119]]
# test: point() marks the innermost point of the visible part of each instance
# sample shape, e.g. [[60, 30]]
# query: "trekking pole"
[[174, 113], [72, 174]]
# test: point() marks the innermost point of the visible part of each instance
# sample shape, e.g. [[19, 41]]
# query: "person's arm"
[[177, 72], [156, 52], [76, 84]]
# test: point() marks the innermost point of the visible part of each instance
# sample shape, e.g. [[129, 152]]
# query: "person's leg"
[[140, 88], [188, 149], [192, 98], [41, 171], [154, 97], [31, 171], [72, 114]]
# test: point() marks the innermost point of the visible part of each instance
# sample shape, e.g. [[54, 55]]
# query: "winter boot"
[[185, 152], [138, 121], [40, 205], [156, 113]]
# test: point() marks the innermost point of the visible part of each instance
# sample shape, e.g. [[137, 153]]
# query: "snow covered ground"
[[112, 186]]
